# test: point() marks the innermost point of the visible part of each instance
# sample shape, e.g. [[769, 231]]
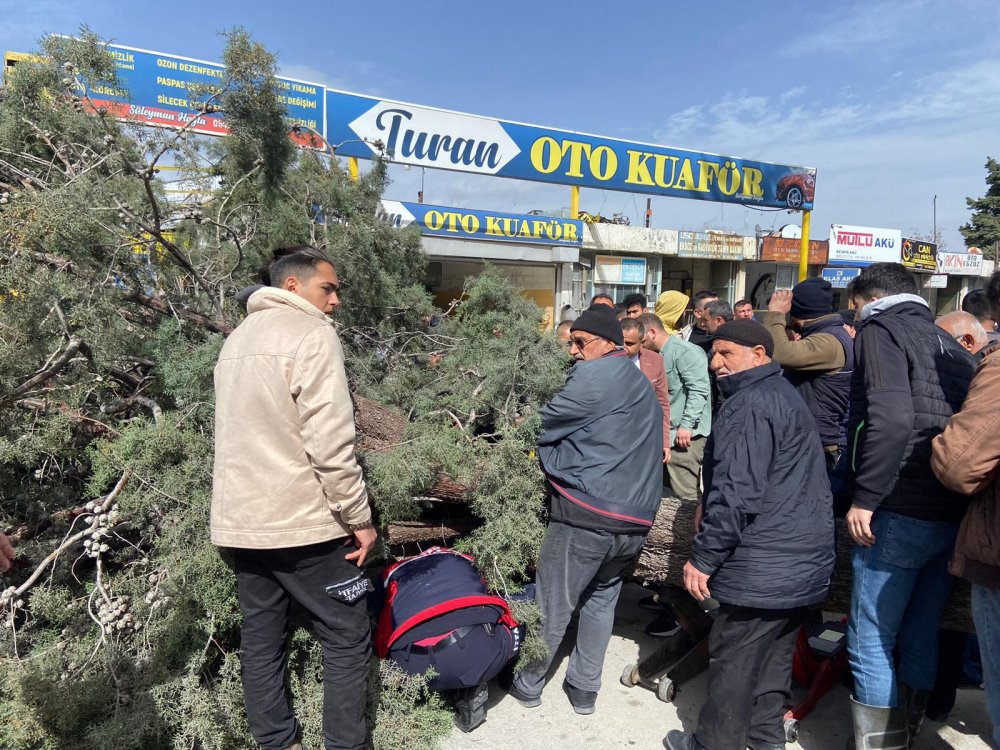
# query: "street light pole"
[[935, 219]]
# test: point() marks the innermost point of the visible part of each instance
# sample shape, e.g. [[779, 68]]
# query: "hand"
[[6, 553], [699, 513], [364, 540], [696, 582], [666, 455], [683, 438], [859, 523], [781, 301]]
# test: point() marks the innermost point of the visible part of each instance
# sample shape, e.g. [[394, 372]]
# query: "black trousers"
[[267, 580], [750, 676]]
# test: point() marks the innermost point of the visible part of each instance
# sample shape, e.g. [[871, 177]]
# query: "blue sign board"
[[168, 91], [633, 271], [466, 223], [839, 278], [363, 126]]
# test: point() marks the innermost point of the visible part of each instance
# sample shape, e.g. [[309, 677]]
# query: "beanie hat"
[[812, 298], [747, 333], [600, 320]]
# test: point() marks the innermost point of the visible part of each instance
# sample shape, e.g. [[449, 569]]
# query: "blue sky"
[[893, 102]]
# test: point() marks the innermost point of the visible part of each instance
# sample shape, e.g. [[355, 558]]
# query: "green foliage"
[[115, 298], [983, 230]]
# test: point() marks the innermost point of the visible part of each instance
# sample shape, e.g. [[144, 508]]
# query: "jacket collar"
[[270, 298], [818, 324], [732, 384], [886, 303]]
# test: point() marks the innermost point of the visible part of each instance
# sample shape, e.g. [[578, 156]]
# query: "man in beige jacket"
[[289, 500]]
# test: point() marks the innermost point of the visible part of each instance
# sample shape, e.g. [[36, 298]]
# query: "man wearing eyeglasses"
[[289, 501], [601, 448]]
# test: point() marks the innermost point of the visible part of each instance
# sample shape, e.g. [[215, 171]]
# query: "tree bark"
[[668, 547]]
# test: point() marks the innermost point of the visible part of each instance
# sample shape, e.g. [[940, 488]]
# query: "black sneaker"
[[525, 700], [663, 626], [583, 701]]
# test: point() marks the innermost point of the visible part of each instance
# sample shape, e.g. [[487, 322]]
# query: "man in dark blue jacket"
[[910, 378], [601, 448], [765, 550]]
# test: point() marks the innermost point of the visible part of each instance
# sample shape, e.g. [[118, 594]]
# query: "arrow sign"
[[434, 138], [397, 215]]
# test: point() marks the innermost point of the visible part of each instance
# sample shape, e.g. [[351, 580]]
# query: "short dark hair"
[[741, 302], [596, 297], [704, 294], [651, 320], [884, 280], [993, 293], [719, 308], [634, 323], [976, 304], [300, 261], [637, 298]]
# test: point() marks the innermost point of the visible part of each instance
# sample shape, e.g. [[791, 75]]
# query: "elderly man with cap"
[[819, 363], [765, 550], [601, 448]]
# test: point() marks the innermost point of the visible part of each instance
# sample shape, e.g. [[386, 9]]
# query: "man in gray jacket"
[[601, 448], [289, 501]]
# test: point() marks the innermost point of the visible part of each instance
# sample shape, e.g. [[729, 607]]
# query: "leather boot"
[[877, 728], [915, 702]]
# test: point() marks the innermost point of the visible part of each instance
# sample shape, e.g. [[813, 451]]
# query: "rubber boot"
[[470, 706], [877, 728], [915, 702]]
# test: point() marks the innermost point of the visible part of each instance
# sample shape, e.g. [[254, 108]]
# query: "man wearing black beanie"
[[601, 449], [764, 549], [820, 363]]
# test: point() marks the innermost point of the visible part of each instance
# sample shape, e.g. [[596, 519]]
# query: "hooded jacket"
[[767, 535], [669, 308], [601, 447], [910, 377], [967, 460], [285, 472]]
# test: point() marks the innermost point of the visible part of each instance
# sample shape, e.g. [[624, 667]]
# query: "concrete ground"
[[635, 718]]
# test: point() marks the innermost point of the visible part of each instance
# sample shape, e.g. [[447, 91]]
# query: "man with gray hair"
[[601, 448], [965, 329], [717, 313]]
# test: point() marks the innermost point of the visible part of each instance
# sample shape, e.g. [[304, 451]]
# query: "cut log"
[[668, 547], [380, 428], [443, 532]]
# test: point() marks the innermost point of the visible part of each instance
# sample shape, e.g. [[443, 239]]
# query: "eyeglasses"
[[580, 343]]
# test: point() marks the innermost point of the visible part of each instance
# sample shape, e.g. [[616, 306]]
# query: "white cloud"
[[879, 162]]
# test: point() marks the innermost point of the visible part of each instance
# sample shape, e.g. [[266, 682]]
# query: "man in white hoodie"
[[289, 500]]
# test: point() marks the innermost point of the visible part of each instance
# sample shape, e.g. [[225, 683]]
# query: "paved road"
[[634, 718]]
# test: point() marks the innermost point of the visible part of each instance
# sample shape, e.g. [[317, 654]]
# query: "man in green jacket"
[[689, 390]]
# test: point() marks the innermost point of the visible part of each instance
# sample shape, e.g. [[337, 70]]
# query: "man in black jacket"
[[601, 448], [910, 377], [765, 550]]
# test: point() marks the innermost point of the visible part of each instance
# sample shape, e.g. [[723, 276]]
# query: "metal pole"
[[649, 211], [574, 202], [934, 236], [352, 166], [804, 248]]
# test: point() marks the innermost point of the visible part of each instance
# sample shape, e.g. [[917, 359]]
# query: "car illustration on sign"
[[797, 188]]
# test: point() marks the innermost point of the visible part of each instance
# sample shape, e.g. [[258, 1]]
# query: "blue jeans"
[[986, 613], [901, 584]]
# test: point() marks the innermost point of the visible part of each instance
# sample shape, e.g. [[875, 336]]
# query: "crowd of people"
[[881, 415]]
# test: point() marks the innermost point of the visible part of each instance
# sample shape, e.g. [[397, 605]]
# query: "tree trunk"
[[668, 547]]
